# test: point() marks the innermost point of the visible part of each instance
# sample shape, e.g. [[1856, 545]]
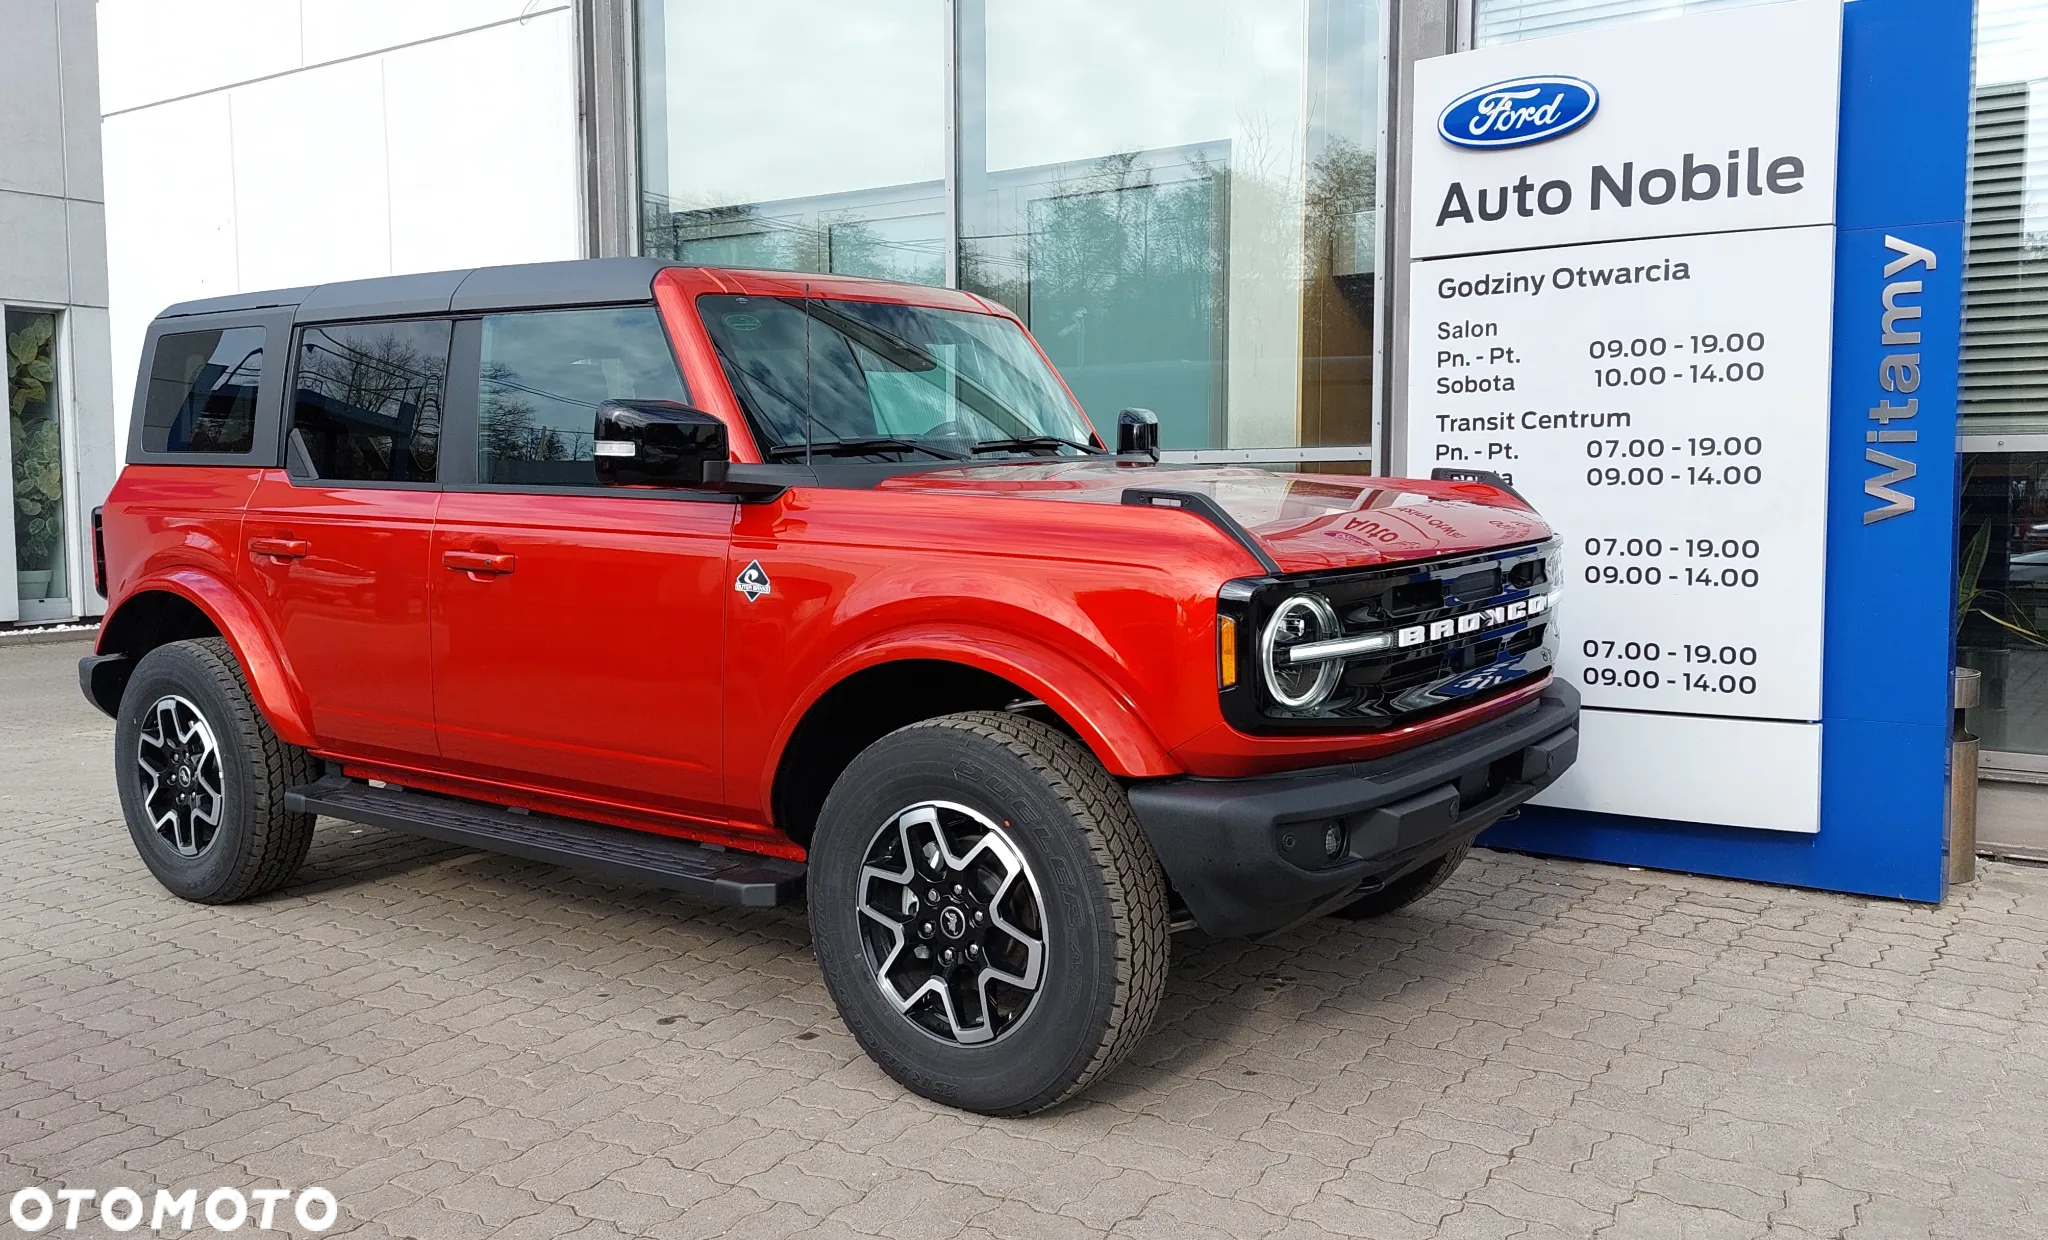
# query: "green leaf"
[[1970, 570]]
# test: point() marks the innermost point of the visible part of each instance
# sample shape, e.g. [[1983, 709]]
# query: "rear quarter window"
[[202, 391]]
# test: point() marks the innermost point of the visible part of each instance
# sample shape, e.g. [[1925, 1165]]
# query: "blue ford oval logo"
[[1518, 112], [1476, 682]]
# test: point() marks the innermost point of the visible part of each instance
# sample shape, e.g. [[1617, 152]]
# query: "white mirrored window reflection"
[[1506, 21], [1178, 197], [2005, 285], [804, 135]]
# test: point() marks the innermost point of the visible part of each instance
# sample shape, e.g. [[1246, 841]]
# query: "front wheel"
[[988, 915]]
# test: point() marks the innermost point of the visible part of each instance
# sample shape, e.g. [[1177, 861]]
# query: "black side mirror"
[[656, 443], [1137, 433]]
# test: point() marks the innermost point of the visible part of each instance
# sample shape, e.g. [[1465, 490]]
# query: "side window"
[[543, 375], [202, 391], [366, 401]]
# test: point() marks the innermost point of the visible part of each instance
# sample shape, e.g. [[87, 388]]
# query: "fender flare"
[[277, 692], [1104, 718]]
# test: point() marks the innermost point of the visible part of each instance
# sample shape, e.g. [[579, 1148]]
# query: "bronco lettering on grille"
[[1471, 622]]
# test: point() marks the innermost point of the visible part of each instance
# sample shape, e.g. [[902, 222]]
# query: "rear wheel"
[[1406, 889], [989, 917], [202, 777]]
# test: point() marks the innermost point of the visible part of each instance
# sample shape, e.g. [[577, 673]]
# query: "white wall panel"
[[93, 390], [95, 458], [1733, 772], [338, 28], [85, 234], [32, 261], [29, 93], [311, 195], [483, 147], [458, 150], [79, 65], [153, 50], [170, 220]]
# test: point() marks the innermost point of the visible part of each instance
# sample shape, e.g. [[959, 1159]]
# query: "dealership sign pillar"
[[1694, 286]]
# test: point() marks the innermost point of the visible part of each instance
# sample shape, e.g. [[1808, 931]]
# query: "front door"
[[337, 543], [578, 629]]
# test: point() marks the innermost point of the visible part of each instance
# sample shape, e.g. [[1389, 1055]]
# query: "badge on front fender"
[[752, 581]]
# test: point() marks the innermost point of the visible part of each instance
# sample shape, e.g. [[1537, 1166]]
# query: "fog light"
[[1333, 841]]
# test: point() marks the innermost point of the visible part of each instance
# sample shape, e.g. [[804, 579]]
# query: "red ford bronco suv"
[[766, 587]]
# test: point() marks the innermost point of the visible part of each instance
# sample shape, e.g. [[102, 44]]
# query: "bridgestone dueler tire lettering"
[[1406, 889], [258, 846], [1104, 898]]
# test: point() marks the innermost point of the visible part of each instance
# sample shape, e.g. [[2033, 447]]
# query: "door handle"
[[280, 548], [487, 562]]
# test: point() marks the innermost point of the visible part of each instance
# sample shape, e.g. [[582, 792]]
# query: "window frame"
[[266, 446], [460, 412], [76, 563], [289, 411], [2001, 764]]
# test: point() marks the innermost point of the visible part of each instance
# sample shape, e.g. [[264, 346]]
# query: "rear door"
[[578, 629], [337, 543]]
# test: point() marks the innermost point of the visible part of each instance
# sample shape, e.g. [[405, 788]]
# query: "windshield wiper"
[[861, 447], [1034, 441]]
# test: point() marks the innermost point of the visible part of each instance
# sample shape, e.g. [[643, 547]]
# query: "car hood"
[[1305, 522]]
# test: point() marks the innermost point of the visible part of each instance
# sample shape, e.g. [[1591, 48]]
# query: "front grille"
[[1462, 625]]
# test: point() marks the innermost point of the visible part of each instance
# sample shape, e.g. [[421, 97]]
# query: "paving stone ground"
[[460, 1045]]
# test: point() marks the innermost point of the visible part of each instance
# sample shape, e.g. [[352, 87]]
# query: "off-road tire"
[[258, 845], [1104, 903], [1406, 889]]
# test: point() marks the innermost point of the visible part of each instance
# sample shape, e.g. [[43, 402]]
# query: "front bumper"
[[1247, 855], [102, 677]]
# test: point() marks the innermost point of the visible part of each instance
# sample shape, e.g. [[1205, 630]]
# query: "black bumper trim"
[[102, 678], [1226, 847]]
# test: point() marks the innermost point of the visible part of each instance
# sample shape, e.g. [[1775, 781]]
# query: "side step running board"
[[742, 878]]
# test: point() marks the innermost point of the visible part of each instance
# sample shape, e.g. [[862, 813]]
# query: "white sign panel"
[[1622, 300], [1701, 124], [1672, 428]]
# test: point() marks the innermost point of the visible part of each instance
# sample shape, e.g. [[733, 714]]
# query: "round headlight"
[[1301, 619]]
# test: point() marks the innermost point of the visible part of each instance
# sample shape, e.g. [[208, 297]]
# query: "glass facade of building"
[[2002, 596], [35, 454], [1180, 199]]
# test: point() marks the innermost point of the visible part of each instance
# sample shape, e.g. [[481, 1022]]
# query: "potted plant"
[[36, 442]]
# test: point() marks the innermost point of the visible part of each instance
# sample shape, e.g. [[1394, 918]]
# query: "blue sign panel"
[[1891, 493]]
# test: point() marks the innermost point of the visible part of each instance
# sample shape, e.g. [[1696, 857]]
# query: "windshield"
[[888, 381]]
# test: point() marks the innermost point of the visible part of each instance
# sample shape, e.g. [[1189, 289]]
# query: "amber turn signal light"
[[1226, 651]]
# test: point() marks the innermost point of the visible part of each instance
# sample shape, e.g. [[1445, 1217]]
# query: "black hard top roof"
[[588, 281]]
